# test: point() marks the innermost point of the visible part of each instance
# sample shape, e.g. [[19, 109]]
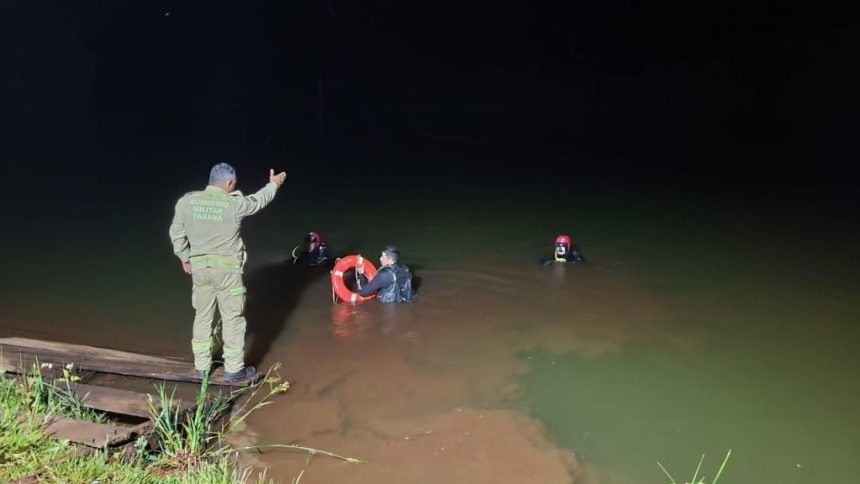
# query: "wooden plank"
[[123, 402], [88, 433], [21, 353], [84, 350], [8, 364], [23, 359]]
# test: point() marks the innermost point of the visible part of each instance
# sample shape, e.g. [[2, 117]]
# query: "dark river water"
[[704, 320]]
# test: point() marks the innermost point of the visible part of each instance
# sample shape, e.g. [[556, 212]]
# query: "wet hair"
[[392, 252], [221, 173]]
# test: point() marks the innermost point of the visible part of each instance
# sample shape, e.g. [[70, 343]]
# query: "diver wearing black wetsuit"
[[565, 251], [384, 279], [393, 280], [312, 252]]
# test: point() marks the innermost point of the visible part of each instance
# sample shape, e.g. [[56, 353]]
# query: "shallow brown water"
[[431, 391]]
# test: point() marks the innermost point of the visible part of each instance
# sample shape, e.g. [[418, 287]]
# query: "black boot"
[[243, 374]]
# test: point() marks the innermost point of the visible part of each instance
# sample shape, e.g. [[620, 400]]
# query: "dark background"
[[103, 94]]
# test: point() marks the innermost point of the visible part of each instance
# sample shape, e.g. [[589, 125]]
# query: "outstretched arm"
[[256, 202]]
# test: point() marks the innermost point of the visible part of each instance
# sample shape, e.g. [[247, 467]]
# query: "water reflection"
[[354, 321], [348, 322]]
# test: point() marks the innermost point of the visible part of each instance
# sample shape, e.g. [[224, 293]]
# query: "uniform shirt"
[[207, 222]]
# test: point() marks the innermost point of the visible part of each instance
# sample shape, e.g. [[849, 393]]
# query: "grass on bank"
[[26, 403], [696, 479], [186, 447]]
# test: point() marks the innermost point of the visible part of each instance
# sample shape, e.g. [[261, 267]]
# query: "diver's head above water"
[[313, 241], [563, 244], [312, 249], [390, 255]]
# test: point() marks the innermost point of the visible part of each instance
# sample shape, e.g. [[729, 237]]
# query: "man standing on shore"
[[205, 236]]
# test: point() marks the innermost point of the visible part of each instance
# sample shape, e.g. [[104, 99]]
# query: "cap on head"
[[563, 240], [313, 237]]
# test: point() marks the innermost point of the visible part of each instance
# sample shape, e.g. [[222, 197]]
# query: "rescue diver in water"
[[311, 252], [392, 280], [565, 251]]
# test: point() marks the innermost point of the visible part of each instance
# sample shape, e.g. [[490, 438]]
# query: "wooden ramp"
[[19, 354], [122, 402]]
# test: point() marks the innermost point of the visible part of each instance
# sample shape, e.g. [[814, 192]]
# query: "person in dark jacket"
[[565, 251], [392, 282]]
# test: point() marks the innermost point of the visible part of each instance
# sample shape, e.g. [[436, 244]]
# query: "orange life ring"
[[339, 287]]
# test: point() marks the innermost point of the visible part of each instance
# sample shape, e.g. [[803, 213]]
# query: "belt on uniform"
[[216, 261]]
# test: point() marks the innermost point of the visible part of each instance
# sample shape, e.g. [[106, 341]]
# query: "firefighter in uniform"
[[205, 236]]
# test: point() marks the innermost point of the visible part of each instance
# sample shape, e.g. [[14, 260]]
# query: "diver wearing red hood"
[[565, 251], [312, 251]]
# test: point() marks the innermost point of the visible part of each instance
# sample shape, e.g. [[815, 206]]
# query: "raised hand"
[[277, 179]]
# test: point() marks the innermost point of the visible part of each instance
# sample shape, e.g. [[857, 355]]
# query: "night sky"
[[102, 92]]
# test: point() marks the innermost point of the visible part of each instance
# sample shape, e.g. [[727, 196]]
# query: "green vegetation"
[[186, 440], [25, 405], [185, 447], [696, 479], [102, 467]]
